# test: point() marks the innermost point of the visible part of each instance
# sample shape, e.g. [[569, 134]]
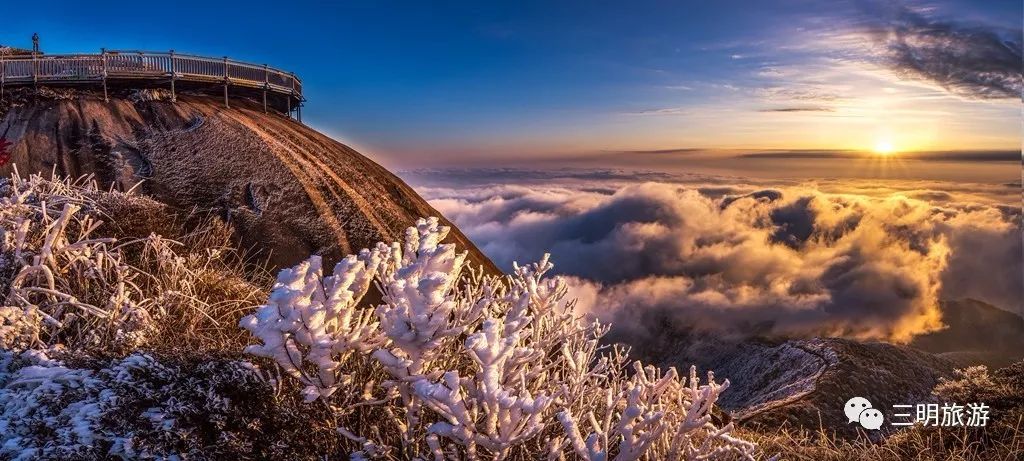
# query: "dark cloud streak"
[[798, 109], [968, 60]]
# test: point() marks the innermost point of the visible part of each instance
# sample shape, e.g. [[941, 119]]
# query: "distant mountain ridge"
[[804, 382], [976, 333]]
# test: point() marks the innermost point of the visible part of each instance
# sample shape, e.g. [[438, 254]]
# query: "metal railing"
[[147, 65]]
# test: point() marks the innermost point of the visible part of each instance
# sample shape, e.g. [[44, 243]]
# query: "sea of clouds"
[[857, 259]]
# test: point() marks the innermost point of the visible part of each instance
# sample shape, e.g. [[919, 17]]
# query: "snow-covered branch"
[[476, 367]]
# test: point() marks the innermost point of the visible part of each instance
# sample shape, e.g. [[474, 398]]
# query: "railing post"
[[3, 75], [174, 76], [226, 83], [266, 85], [298, 110], [103, 57], [35, 72]]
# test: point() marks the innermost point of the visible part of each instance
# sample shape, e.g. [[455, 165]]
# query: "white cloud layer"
[[783, 260]]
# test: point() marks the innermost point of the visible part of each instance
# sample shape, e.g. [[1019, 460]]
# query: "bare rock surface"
[[288, 190]]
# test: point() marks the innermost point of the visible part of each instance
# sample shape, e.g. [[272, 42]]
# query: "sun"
[[883, 147]]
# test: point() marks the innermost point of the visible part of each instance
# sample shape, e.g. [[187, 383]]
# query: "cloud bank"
[[789, 261]]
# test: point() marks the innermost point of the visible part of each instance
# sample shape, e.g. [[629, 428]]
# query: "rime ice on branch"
[[466, 366]]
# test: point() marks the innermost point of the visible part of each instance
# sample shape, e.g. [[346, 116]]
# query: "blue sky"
[[407, 81]]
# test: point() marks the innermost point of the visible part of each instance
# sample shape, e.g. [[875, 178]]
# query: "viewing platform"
[[276, 89]]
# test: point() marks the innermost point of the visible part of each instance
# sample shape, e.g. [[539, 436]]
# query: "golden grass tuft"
[[1002, 443]]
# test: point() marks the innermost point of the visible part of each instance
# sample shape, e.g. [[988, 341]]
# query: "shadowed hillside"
[[976, 333], [803, 382], [284, 187]]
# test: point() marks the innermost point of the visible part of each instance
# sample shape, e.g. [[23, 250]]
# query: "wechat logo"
[[858, 410]]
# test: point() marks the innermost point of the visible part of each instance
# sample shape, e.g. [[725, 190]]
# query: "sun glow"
[[884, 147]]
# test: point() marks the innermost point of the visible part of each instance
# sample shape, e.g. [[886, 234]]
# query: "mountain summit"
[[287, 189]]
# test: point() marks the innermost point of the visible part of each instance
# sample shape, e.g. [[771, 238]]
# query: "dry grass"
[[151, 280], [1002, 439], [955, 444], [207, 285]]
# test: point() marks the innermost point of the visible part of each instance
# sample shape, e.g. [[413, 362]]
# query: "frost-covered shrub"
[[454, 364], [311, 318], [1002, 390], [58, 273], [64, 283], [19, 326], [969, 382]]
